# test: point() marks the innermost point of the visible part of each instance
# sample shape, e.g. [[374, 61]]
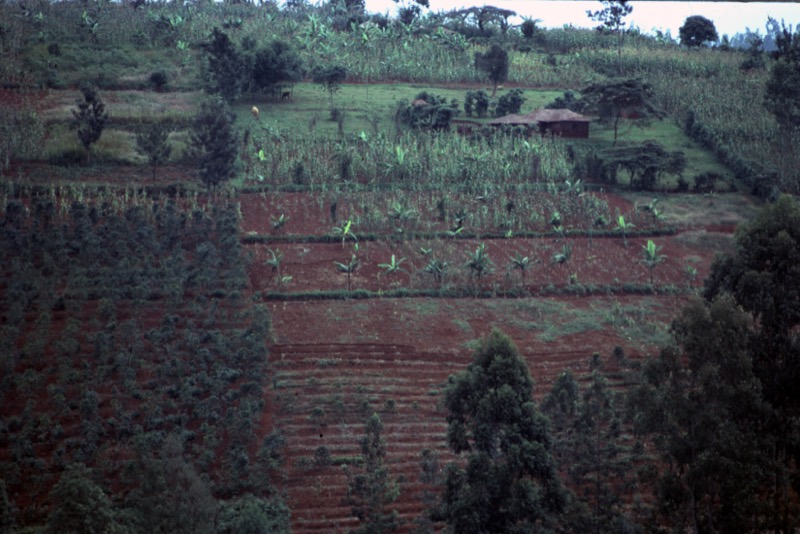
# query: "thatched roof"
[[542, 115]]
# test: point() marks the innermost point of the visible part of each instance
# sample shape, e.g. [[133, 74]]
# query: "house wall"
[[567, 129]]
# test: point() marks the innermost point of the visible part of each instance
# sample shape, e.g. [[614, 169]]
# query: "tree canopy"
[[494, 64], [697, 30], [509, 483], [620, 98], [276, 63], [214, 143]]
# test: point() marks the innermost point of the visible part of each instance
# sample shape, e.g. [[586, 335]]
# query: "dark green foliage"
[[701, 403], [590, 448], [330, 77], [158, 80], [616, 99], [153, 144], [567, 101], [371, 492], [528, 28], [782, 97], [226, 72], [169, 495], [697, 30], [89, 119], [252, 515], [80, 505], [427, 112], [275, 64], [494, 64], [612, 17], [6, 515], [477, 102], [509, 482], [214, 143], [509, 103], [645, 163]]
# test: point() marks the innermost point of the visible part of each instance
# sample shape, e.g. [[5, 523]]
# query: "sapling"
[[564, 255], [624, 227], [522, 263], [348, 268], [651, 257]]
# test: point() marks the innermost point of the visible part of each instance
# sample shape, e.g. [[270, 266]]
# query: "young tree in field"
[[616, 99], [697, 30], [89, 119], [253, 515], [330, 77], [612, 17], [372, 492], [213, 143], [275, 64], [479, 263], [508, 481], [153, 143], [700, 404], [494, 64], [80, 505], [226, 72]]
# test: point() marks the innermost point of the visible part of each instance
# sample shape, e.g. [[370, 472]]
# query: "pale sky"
[[728, 17]]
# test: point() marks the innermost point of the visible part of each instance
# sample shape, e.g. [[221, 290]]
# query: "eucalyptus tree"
[[506, 480], [612, 17]]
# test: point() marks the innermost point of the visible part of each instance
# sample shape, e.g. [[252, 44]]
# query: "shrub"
[[158, 80], [509, 103]]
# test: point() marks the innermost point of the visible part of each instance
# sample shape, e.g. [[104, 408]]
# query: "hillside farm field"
[[337, 359]]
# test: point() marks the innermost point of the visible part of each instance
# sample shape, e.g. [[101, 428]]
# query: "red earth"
[[336, 361]]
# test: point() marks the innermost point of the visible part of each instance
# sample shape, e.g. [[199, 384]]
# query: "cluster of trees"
[[130, 356]]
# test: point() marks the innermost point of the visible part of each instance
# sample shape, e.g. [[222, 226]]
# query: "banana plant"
[[651, 257], [523, 264], [275, 259], [479, 263], [436, 268], [346, 231], [348, 268], [393, 266], [279, 222], [564, 255], [624, 227], [691, 275]]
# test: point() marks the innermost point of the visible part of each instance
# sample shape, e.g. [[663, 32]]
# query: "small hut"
[[561, 122]]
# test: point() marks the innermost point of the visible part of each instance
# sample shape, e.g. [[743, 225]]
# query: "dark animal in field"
[[286, 95]]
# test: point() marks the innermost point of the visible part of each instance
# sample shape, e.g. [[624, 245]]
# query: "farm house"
[[561, 122]]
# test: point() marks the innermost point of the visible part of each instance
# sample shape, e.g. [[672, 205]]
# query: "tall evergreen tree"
[[587, 428], [509, 483], [214, 143], [226, 72], [89, 119], [701, 403], [372, 492]]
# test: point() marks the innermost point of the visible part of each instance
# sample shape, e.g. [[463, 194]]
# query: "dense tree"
[[371, 492], [153, 143], [509, 482], [427, 112], [275, 64], [590, 448], [700, 402], [89, 119], [510, 102], [612, 17], [782, 96], [645, 163], [697, 30], [80, 505], [494, 64], [6, 515], [226, 68], [214, 143], [616, 99], [252, 515]]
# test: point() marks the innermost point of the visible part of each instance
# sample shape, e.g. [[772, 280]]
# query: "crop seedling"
[[346, 231], [279, 222], [479, 263], [523, 264], [436, 268], [691, 275], [564, 255]]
